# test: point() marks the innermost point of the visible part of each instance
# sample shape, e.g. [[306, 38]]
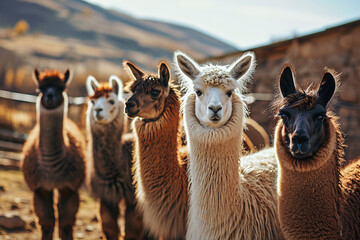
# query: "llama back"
[[262, 165], [350, 183], [259, 172]]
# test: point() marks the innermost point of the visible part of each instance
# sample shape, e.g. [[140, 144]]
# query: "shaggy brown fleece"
[[160, 172], [316, 199], [350, 183], [72, 175]]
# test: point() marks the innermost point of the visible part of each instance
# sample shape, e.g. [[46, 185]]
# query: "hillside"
[[74, 30]]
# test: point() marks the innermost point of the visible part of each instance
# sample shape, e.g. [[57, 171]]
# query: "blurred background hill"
[[88, 38]]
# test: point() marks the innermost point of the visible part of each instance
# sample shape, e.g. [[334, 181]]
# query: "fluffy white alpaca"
[[230, 197]]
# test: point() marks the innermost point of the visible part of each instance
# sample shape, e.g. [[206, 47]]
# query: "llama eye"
[[111, 102], [155, 93], [229, 93], [321, 118], [92, 101], [198, 92], [284, 117]]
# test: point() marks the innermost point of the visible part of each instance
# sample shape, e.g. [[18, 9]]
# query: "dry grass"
[[16, 193]]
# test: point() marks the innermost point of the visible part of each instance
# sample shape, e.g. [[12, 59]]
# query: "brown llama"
[[159, 162], [109, 168], [54, 156], [317, 199]]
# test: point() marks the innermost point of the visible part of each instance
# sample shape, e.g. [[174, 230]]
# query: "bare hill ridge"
[[77, 30]]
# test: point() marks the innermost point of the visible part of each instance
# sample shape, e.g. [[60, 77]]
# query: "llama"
[[54, 156], [317, 199], [230, 198], [109, 168], [159, 158]]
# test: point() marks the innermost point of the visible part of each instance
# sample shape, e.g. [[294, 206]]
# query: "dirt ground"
[[15, 198]]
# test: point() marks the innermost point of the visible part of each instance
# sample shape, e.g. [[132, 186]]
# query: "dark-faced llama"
[[318, 199], [54, 156]]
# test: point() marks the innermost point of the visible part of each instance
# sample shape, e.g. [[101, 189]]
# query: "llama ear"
[[91, 85], [327, 89], [286, 81], [68, 77], [164, 74], [186, 65], [117, 85], [244, 66], [36, 77], [134, 71]]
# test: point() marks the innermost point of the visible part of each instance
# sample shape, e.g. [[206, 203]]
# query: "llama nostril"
[[98, 110], [215, 109], [130, 104], [301, 138]]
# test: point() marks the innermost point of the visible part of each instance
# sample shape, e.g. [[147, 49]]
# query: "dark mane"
[[144, 84], [51, 74], [51, 78], [301, 99]]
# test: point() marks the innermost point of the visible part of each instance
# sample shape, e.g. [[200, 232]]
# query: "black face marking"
[[304, 129], [52, 97]]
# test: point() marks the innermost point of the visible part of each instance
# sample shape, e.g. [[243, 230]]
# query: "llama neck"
[[51, 139], [157, 141], [106, 148], [309, 192], [214, 163]]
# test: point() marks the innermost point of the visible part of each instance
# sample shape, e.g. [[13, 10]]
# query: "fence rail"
[[28, 98]]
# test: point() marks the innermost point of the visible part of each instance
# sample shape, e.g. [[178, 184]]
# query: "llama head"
[[106, 99], [304, 112], [51, 84], [214, 85], [149, 91]]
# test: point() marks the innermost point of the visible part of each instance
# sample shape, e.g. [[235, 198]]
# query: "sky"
[[243, 24]]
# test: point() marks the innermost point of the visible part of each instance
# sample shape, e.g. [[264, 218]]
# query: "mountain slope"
[[78, 30]]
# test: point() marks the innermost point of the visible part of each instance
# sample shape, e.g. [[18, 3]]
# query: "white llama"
[[230, 197], [109, 169]]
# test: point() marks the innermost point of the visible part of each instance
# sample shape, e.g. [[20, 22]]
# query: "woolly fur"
[[109, 166], [318, 200], [67, 167], [215, 75], [230, 197], [160, 172]]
